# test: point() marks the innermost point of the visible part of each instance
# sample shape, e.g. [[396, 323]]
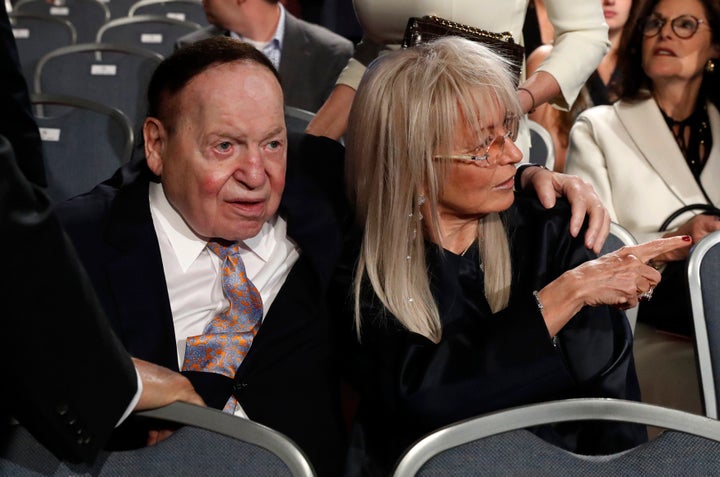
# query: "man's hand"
[[162, 387], [583, 201]]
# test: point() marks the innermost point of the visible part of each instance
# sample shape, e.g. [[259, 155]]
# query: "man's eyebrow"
[[275, 132]]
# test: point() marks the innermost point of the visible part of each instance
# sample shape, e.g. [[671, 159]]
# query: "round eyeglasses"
[[683, 26], [492, 147]]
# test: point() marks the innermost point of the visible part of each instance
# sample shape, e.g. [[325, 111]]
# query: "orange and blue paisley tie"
[[227, 338]]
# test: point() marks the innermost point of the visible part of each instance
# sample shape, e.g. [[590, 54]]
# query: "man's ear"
[[155, 136]]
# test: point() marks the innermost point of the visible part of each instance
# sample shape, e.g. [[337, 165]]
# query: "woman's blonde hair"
[[407, 109]]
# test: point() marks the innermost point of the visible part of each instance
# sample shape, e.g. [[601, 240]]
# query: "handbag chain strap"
[[504, 36]]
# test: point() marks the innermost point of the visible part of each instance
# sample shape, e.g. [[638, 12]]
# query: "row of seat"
[[88, 16], [37, 35], [89, 98], [496, 444]]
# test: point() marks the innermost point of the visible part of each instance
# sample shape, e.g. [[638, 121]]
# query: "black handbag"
[[425, 29]]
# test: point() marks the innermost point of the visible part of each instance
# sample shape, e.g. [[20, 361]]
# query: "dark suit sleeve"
[[16, 121], [66, 376]]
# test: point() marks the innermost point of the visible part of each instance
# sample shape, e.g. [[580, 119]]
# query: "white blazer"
[[627, 152]]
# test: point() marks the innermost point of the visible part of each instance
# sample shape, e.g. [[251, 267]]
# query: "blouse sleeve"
[[479, 366], [581, 41]]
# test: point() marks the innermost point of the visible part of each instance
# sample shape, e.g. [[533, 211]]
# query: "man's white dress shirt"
[[193, 273]]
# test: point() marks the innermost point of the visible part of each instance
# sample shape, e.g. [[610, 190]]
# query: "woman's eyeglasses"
[[683, 26], [495, 146]]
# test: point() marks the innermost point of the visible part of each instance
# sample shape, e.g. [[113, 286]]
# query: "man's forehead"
[[232, 105], [234, 71], [230, 85]]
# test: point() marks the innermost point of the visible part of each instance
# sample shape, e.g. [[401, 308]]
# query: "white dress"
[[581, 32], [580, 43]]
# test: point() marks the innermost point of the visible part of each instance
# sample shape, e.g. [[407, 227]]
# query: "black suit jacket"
[[16, 121], [287, 381], [66, 376]]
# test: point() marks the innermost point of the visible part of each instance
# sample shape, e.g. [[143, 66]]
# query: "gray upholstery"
[[83, 143], [188, 10], [37, 35], [703, 280], [619, 237], [495, 444], [153, 32], [542, 150], [119, 8], [86, 15], [219, 444], [115, 75], [296, 119]]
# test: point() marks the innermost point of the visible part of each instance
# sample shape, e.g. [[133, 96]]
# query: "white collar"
[[187, 245], [277, 37]]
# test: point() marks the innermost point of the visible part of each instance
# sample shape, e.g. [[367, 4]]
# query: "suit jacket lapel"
[[137, 280], [315, 224], [648, 130]]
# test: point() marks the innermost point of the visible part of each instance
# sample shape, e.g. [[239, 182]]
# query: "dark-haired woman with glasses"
[[657, 150], [468, 299]]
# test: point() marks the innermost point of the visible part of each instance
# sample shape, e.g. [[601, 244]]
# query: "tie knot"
[[224, 249]]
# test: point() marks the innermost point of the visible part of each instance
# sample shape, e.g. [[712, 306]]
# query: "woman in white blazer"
[[645, 158], [631, 158], [629, 153], [658, 148]]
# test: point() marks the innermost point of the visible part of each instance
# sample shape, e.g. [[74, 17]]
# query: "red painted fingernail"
[[687, 238]]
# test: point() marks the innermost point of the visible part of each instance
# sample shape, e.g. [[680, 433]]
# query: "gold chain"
[[504, 36]]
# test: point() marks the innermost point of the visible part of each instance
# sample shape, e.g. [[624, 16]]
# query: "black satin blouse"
[[410, 386]]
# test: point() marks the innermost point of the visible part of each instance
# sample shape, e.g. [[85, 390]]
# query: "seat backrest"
[[619, 237], [37, 35], [115, 75], [212, 443], [84, 143], [495, 444], [296, 119], [187, 10], [119, 8], [542, 150], [87, 16], [153, 32], [703, 279]]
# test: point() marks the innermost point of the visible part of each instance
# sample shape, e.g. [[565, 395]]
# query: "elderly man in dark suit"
[[308, 56], [216, 143]]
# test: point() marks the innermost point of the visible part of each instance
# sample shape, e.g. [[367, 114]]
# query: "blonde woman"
[[466, 300]]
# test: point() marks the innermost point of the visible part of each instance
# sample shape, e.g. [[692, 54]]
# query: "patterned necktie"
[[227, 338]]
